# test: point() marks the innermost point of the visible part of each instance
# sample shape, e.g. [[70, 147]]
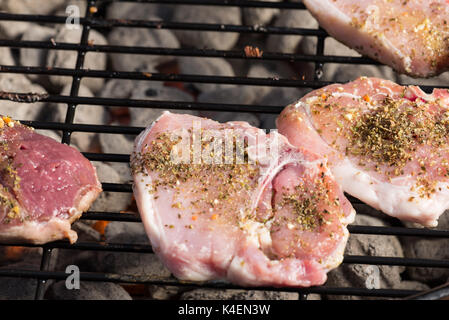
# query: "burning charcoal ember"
[[18, 288], [23, 255], [85, 114], [212, 15], [290, 19], [20, 111], [368, 276], [151, 38], [206, 67], [130, 263], [235, 95], [144, 116], [110, 201], [87, 291], [213, 294], [67, 58], [428, 248], [259, 16]]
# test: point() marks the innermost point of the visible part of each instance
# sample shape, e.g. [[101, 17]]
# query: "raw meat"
[[45, 186], [252, 217], [386, 144], [411, 36]]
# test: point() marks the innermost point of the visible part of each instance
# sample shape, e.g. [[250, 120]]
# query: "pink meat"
[[45, 186], [277, 220], [386, 144], [410, 36]]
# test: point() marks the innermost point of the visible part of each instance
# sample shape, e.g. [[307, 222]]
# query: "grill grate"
[[89, 22]]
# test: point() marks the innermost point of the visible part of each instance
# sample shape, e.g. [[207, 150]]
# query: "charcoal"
[[277, 97], [290, 19], [20, 111], [139, 11], [110, 201], [87, 291], [86, 260], [36, 57], [438, 81], [368, 276], [235, 95], [259, 16], [12, 288], [67, 59], [211, 15], [50, 133], [116, 143], [85, 114], [214, 294], [206, 67], [428, 248], [131, 263], [151, 38], [144, 117]]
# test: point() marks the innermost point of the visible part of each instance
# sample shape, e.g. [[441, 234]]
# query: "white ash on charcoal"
[[20, 111], [67, 58], [55, 135], [164, 292], [145, 116], [290, 19], [13, 288], [140, 264], [141, 37], [36, 57], [428, 248], [236, 95], [206, 67], [231, 294], [277, 97], [116, 143], [210, 15], [13, 29], [441, 80], [139, 11], [340, 72], [367, 276], [85, 114], [259, 16], [88, 290], [110, 201]]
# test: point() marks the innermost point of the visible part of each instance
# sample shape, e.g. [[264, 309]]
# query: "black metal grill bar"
[[122, 278], [104, 23], [212, 53], [231, 3], [58, 126]]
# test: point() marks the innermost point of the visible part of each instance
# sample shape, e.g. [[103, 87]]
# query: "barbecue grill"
[[92, 20]]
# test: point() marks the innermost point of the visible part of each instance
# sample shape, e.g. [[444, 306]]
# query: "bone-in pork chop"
[[386, 144], [228, 201], [411, 36], [45, 186]]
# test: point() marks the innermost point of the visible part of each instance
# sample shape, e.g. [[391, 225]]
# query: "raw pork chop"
[[45, 186], [387, 144], [273, 219], [411, 36]]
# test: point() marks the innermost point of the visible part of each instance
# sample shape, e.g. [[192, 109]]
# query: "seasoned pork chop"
[[387, 145], [411, 36], [251, 217], [45, 186]]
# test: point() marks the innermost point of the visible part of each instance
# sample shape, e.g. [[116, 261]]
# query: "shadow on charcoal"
[[87, 291]]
